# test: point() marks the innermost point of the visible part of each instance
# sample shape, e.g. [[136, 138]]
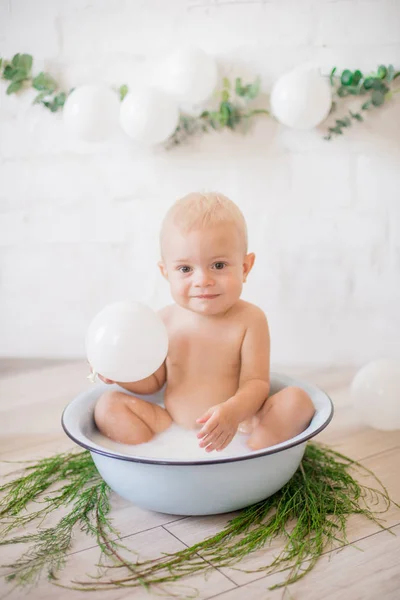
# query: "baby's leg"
[[282, 416], [129, 420]]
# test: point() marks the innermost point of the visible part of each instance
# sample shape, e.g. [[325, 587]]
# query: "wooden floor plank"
[[366, 572], [148, 544], [193, 530]]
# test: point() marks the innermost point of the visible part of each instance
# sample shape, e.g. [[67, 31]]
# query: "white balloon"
[[91, 112], [301, 99], [126, 341], [149, 116], [376, 394], [189, 74]]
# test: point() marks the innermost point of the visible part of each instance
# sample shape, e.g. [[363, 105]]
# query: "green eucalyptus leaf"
[[342, 92], [225, 95], [123, 90], [15, 60], [23, 62], [382, 71], [377, 98], [396, 75], [43, 82], [357, 76], [61, 98], [15, 86], [343, 122], [40, 97], [378, 84], [346, 77], [390, 73], [356, 116], [19, 75], [254, 89], [366, 105], [8, 72], [239, 89], [225, 113], [352, 90], [368, 82], [332, 75]]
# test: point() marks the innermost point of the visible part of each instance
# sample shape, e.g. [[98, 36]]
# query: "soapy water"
[[175, 443]]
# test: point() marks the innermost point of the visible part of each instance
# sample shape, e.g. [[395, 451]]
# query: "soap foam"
[[175, 443]]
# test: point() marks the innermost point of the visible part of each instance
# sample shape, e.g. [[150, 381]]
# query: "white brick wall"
[[79, 223]]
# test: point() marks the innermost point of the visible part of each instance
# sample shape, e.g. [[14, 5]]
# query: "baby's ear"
[[248, 264], [163, 269]]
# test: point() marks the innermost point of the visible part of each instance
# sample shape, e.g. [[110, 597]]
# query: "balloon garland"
[[176, 107]]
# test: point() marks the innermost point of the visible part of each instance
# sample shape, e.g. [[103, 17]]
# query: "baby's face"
[[206, 268]]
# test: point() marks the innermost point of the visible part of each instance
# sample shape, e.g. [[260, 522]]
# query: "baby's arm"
[[149, 385], [221, 421], [254, 379]]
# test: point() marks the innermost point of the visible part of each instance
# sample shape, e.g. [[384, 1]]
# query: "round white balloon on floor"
[[301, 99], [149, 116], [376, 394], [189, 74], [126, 341], [91, 113]]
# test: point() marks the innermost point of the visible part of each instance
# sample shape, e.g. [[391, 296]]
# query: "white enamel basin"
[[212, 485]]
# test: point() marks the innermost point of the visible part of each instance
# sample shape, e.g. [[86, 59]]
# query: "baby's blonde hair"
[[198, 210]]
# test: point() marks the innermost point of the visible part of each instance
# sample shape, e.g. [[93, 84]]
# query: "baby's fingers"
[[208, 428], [104, 379], [226, 442], [211, 437], [214, 445]]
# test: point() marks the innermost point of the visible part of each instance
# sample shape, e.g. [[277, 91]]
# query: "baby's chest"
[[212, 349]]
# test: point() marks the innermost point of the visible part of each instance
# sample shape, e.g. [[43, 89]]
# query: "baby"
[[217, 368]]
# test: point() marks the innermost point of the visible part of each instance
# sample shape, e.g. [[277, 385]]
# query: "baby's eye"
[[219, 265], [184, 269]]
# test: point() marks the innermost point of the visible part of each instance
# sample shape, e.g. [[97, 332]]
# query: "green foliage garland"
[[232, 110], [309, 514], [375, 89]]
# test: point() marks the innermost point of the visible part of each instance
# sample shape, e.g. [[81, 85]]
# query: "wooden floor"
[[32, 396]]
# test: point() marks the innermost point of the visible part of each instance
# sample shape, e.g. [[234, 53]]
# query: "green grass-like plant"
[[309, 515]]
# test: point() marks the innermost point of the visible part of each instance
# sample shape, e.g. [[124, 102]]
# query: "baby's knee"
[[298, 400], [108, 409], [108, 403], [114, 419]]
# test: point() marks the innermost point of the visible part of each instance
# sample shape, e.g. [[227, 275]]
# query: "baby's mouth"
[[207, 296]]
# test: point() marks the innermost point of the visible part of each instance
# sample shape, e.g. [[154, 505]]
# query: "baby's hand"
[[93, 374], [219, 429]]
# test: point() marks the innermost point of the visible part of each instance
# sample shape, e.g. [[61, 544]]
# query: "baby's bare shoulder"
[[167, 313], [250, 313]]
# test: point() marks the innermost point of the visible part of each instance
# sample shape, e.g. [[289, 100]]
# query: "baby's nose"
[[204, 278]]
